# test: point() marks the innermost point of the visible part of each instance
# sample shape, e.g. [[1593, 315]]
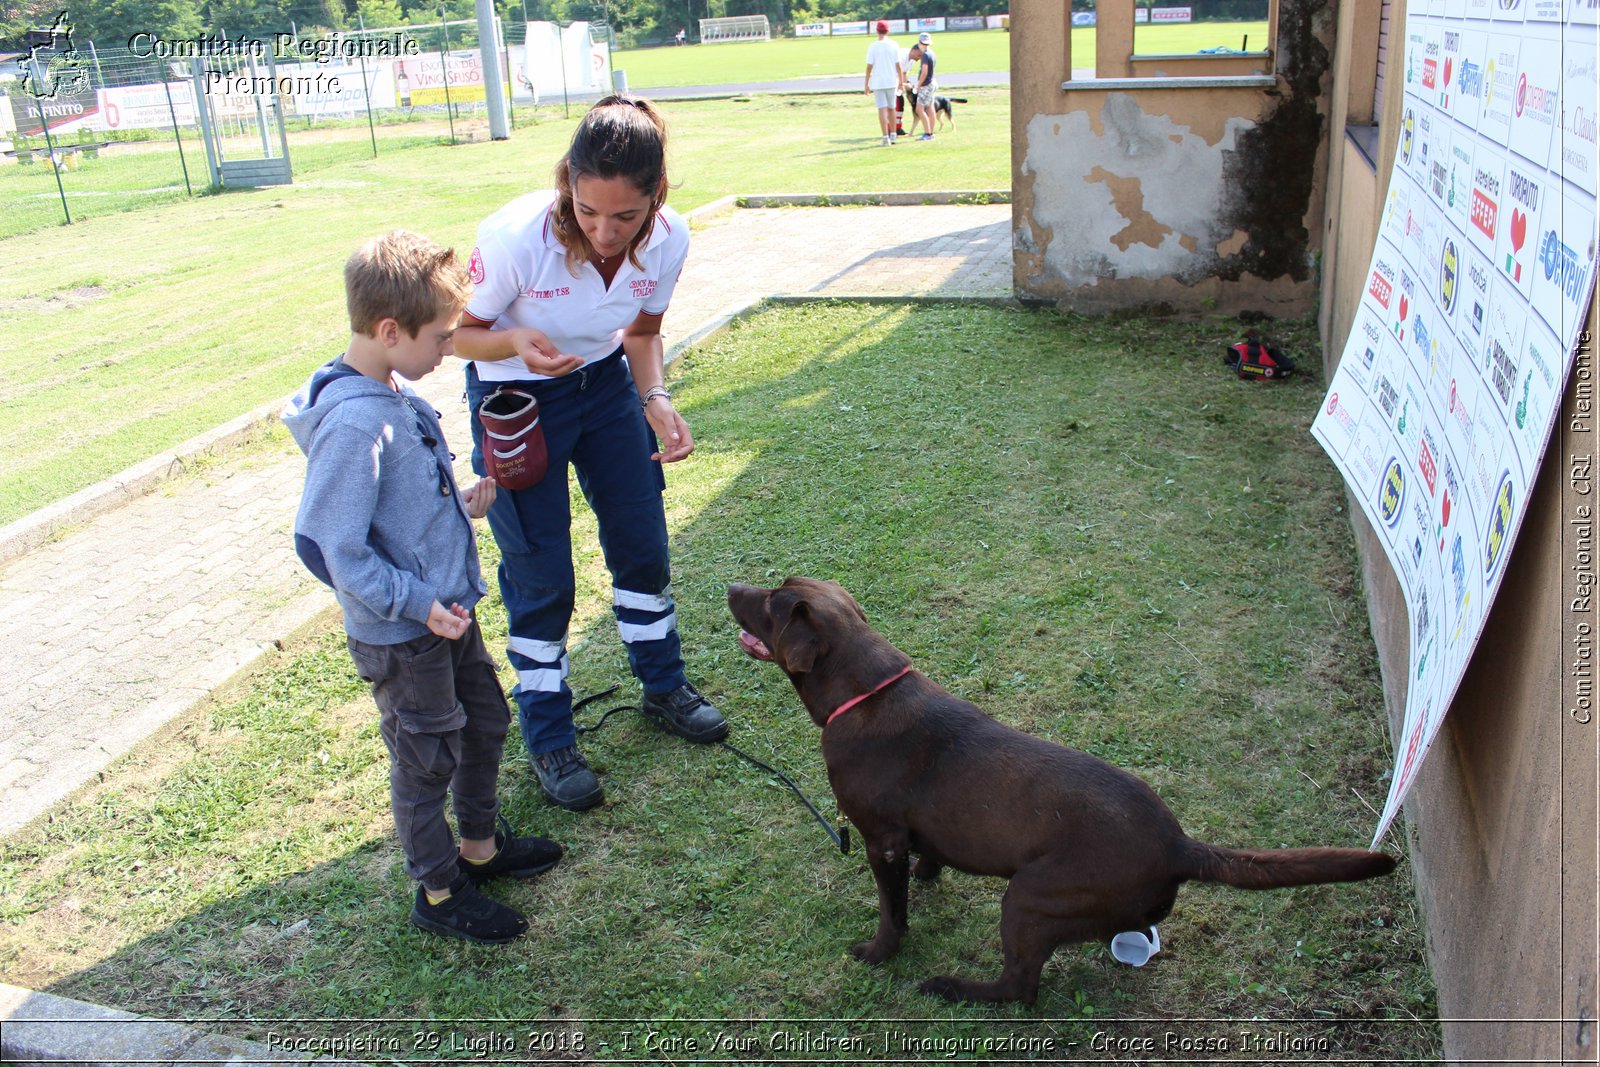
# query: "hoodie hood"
[[330, 385]]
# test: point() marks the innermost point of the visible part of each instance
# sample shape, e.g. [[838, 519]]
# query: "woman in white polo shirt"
[[571, 286]]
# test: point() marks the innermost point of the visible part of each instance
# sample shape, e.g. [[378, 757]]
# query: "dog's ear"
[[798, 644]]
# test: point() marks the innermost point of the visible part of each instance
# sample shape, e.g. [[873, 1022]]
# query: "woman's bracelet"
[[653, 392]]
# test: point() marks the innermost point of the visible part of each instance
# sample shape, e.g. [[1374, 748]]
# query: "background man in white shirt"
[[884, 79]]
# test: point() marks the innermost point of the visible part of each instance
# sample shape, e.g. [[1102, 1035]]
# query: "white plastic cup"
[[1134, 948]]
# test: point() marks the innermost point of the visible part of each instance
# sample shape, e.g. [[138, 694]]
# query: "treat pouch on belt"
[[514, 451]]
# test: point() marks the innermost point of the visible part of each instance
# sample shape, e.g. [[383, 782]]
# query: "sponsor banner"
[[1083, 18], [1481, 277], [925, 25], [1141, 14], [963, 22], [146, 107], [811, 29], [999, 22], [1171, 14], [66, 110], [848, 29]]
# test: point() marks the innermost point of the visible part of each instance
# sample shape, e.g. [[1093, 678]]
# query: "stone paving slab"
[[126, 620]]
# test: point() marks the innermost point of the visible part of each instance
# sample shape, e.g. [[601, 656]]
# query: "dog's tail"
[[1279, 868], [956, 99]]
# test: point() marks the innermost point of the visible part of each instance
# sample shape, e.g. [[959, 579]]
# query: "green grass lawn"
[[142, 329], [1063, 547], [824, 57]]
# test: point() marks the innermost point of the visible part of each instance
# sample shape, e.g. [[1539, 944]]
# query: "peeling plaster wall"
[[1192, 194], [1142, 198]]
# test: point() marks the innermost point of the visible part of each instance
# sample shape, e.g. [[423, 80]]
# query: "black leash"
[[840, 837]]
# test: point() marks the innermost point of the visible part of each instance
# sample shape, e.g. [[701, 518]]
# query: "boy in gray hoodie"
[[383, 522]]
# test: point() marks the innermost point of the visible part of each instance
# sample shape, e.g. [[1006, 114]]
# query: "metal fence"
[[89, 131]]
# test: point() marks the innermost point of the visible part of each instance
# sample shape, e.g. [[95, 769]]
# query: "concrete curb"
[[40, 1028], [29, 532]]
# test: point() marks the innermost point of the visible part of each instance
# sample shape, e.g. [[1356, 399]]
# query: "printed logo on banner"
[[1535, 109], [1485, 214], [1381, 285], [1500, 512], [1427, 466], [1470, 82], [1574, 150], [1408, 134], [1449, 276], [1340, 414], [1430, 65], [1404, 302], [1422, 164], [1458, 189], [1475, 304], [1514, 255], [1451, 62], [1500, 83], [1416, 48], [1543, 365], [1509, 10], [1392, 493], [1460, 412], [1562, 270]]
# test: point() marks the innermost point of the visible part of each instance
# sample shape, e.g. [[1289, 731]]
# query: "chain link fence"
[[88, 131]]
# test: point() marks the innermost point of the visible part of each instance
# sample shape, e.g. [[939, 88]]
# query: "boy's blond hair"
[[405, 277]]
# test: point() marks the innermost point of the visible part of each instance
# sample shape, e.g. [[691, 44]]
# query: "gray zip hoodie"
[[381, 519]]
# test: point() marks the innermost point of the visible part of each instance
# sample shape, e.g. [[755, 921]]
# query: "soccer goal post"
[[735, 28]]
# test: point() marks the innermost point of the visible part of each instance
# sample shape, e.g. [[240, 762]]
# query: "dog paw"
[[926, 870], [870, 952]]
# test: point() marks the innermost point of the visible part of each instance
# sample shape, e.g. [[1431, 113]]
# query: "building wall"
[[1196, 192], [1501, 823]]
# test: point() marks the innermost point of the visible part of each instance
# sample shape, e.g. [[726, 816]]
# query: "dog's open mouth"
[[753, 645]]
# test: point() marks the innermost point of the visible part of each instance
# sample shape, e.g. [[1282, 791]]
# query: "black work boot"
[[469, 915], [566, 779], [686, 713]]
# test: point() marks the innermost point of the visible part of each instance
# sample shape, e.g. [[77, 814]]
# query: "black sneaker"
[[566, 779], [686, 713], [469, 915], [515, 857]]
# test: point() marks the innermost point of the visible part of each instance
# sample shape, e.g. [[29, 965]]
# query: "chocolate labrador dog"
[[1090, 850]]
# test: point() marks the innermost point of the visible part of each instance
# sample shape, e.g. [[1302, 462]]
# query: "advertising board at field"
[[925, 25], [145, 107], [811, 29], [847, 29], [998, 22], [428, 79], [1171, 14], [1083, 18], [895, 25], [1451, 381], [1141, 14], [67, 111], [341, 92], [963, 22]]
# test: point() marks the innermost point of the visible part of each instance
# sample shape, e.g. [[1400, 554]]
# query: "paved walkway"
[[134, 616]]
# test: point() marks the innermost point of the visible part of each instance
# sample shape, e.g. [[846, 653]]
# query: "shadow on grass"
[[1053, 541]]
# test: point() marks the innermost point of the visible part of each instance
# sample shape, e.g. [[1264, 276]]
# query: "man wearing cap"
[[925, 84], [885, 76]]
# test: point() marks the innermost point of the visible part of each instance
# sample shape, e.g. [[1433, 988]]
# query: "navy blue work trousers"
[[592, 421]]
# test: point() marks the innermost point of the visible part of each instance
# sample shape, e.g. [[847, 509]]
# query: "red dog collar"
[[880, 687]]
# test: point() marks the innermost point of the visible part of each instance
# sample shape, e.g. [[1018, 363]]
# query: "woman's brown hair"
[[620, 137]]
